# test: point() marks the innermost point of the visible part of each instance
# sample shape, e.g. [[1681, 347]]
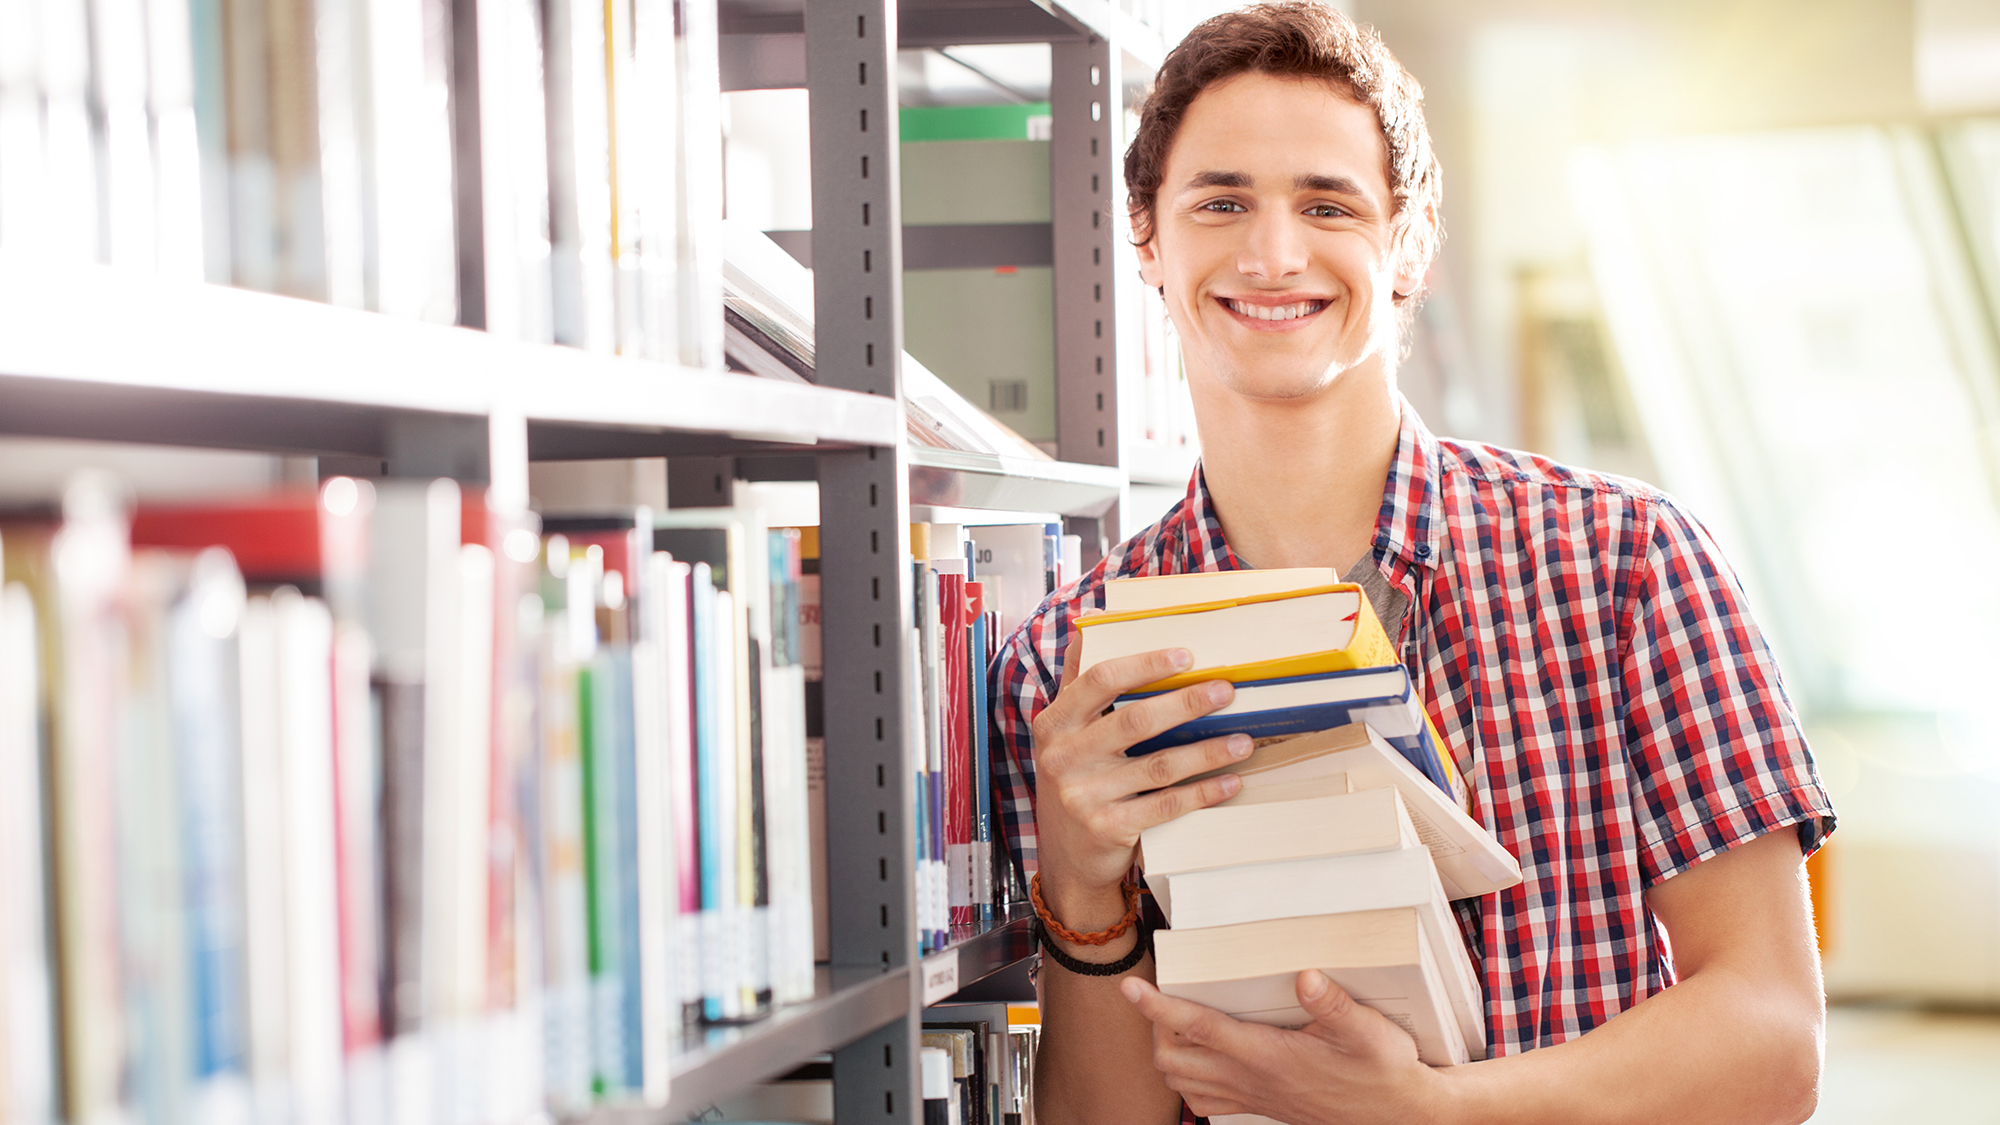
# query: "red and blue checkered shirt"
[[1590, 660]]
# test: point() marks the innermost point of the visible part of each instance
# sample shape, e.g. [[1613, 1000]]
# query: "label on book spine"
[[958, 874]]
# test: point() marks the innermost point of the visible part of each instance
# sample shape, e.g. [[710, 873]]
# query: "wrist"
[[1443, 1100], [1110, 953], [1080, 905]]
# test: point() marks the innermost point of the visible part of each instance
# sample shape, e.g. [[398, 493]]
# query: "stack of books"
[[1349, 838]]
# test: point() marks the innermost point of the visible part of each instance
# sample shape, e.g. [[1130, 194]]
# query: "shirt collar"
[[1406, 532]]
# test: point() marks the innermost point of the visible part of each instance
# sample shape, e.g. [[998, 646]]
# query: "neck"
[[1299, 482]]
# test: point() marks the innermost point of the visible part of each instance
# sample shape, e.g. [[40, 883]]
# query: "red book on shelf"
[[956, 683]]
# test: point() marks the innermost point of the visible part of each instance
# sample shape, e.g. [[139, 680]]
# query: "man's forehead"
[[1257, 130]]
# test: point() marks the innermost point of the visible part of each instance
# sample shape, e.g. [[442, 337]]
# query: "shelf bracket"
[[1086, 102], [865, 582]]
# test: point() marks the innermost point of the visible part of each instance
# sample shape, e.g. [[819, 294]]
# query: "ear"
[[1415, 251], [1150, 270]]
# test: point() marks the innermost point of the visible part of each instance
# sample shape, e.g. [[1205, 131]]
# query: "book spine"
[[177, 158], [698, 183], [596, 705], [729, 808], [356, 750], [204, 702], [954, 658], [815, 723], [630, 1061], [312, 958], [655, 876], [151, 931], [68, 221], [649, 153], [29, 1027], [579, 175], [682, 773], [511, 168], [716, 772], [407, 162], [982, 761], [565, 907], [337, 27]]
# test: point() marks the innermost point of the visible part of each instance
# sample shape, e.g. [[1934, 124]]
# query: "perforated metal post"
[[1084, 105], [864, 538]]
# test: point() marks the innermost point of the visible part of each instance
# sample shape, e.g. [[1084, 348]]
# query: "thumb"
[[1331, 1008]]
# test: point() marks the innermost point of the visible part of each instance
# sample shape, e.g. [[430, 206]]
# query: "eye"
[[1222, 206], [1326, 211]]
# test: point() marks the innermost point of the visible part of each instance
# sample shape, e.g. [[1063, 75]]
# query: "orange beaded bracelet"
[[1101, 937]]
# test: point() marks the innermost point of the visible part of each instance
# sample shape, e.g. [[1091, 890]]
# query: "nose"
[[1274, 249]]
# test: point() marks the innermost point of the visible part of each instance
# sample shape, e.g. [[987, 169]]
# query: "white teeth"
[[1280, 312]]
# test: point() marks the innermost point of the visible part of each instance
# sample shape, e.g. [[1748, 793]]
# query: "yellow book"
[[1328, 628]]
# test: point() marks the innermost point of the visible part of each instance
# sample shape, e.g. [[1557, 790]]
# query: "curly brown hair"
[[1293, 39]]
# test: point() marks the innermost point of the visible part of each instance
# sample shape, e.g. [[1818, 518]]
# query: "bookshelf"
[[93, 352]]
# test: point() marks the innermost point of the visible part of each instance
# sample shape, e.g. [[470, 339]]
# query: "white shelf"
[[88, 351], [949, 479]]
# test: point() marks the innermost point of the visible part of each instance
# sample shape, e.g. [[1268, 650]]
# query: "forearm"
[[1095, 1064], [1717, 1047]]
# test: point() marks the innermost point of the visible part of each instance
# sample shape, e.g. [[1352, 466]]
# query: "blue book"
[[717, 823], [624, 747], [203, 687], [982, 776], [1293, 705]]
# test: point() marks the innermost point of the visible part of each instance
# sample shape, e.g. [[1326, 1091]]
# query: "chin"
[[1269, 385]]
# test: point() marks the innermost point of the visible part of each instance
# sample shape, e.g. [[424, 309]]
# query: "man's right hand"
[[1091, 801]]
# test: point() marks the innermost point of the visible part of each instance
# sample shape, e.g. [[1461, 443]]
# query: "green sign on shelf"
[[975, 122]]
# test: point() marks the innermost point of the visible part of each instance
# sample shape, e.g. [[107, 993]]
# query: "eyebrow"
[[1307, 181]]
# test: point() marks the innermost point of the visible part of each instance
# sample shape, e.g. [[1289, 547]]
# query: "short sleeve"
[[1022, 680], [1716, 754]]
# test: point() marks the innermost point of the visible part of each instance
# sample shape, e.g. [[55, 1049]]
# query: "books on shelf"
[[960, 880], [422, 812], [540, 171]]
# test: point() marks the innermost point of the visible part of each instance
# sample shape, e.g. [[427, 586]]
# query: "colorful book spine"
[[978, 636]]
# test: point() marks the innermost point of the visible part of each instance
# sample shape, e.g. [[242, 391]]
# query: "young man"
[[1579, 641]]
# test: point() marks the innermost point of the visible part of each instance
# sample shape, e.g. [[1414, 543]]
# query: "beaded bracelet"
[[1101, 937]]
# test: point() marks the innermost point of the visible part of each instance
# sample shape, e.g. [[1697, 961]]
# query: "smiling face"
[[1272, 238]]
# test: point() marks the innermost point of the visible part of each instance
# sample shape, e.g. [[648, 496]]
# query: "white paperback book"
[[1299, 888]]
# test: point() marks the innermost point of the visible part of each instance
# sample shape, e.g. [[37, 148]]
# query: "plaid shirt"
[[1590, 660]]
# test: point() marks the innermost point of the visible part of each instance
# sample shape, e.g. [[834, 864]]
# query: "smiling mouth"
[[1274, 312]]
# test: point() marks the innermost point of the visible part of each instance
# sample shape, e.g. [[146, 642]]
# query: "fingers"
[[1138, 721], [1194, 1024], [1082, 698], [1162, 805], [1353, 1027], [1176, 764], [1326, 1002], [1188, 1049]]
